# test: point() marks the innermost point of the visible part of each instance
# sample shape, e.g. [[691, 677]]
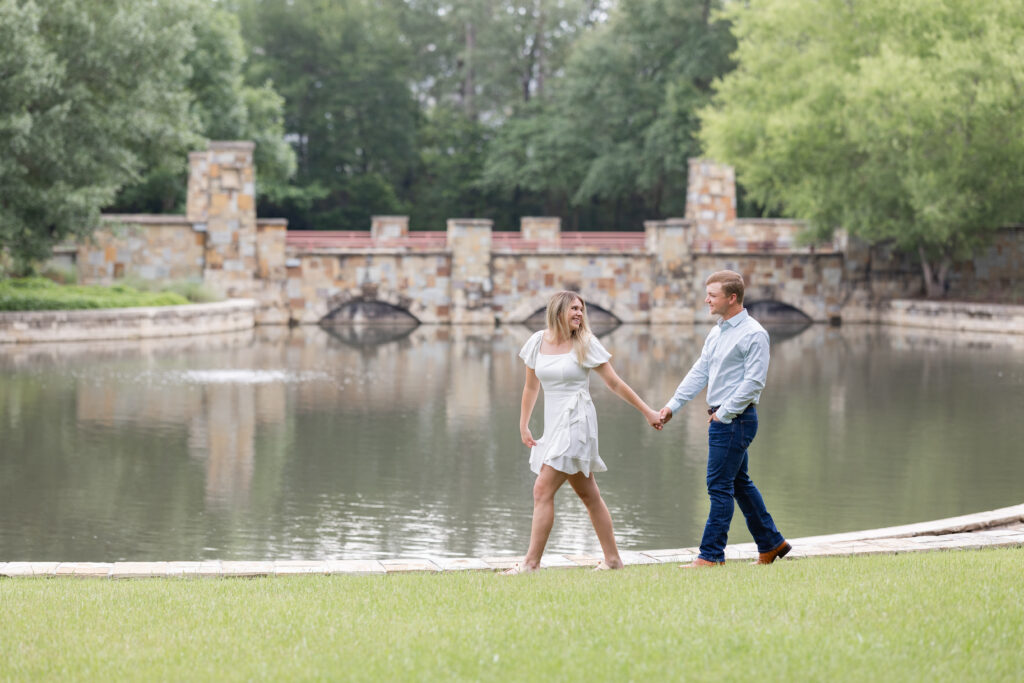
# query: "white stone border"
[[965, 532], [953, 315], [17, 327]]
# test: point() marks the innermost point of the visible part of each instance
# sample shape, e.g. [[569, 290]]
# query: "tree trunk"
[[539, 43], [936, 275], [468, 86]]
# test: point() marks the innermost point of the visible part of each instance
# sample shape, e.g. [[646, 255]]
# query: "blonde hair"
[[558, 304], [731, 281]]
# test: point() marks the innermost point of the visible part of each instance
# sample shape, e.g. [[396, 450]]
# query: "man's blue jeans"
[[727, 479]]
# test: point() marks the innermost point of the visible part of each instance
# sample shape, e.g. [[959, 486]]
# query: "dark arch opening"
[[368, 323], [775, 312], [602, 321], [781, 320], [364, 311]]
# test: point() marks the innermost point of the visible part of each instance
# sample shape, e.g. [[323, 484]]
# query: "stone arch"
[[369, 304], [533, 310], [773, 311]]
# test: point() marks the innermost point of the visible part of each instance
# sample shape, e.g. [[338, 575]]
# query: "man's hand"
[[666, 415]]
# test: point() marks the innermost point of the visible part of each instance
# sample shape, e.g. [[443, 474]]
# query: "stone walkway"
[[994, 529]]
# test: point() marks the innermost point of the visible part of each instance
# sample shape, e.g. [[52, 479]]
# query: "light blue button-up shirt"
[[733, 365]]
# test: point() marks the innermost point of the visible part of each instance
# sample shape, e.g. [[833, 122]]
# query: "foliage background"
[[900, 122]]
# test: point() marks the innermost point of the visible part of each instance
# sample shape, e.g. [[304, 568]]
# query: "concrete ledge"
[[953, 315], [1002, 528], [18, 327]]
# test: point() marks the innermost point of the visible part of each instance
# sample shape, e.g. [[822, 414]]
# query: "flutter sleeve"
[[596, 354], [531, 348]]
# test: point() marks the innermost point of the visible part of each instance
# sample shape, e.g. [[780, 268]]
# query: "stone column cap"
[[245, 145]]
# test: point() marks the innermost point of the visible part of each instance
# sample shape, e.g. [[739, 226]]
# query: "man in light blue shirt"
[[733, 365]]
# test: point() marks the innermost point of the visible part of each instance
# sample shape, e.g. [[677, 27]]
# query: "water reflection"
[[332, 442]]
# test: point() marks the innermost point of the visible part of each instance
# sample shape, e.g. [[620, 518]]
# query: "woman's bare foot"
[[605, 565]]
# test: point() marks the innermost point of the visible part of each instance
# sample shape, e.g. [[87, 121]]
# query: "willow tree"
[[900, 122]]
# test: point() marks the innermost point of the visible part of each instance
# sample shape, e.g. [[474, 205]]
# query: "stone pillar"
[[222, 203], [389, 227], [711, 199], [546, 231], [469, 241], [672, 298]]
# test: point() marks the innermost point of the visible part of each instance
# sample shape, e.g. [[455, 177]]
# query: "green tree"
[[896, 121], [350, 114], [476, 62], [89, 89], [223, 107], [611, 147]]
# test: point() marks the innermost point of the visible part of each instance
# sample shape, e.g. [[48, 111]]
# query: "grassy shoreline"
[[41, 294], [943, 615]]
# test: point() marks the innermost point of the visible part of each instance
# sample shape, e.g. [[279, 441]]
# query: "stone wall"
[[143, 247], [321, 282], [996, 271], [812, 283], [470, 274], [619, 283], [126, 323]]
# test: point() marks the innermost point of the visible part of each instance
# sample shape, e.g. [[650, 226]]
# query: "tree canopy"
[[610, 146], [896, 121], [88, 91]]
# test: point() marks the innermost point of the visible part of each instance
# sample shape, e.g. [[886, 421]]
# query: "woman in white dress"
[[560, 359]]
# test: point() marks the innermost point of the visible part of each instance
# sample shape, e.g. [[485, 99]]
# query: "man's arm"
[[695, 381], [755, 371]]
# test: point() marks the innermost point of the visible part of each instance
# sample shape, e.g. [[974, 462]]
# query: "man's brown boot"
[[771, 555]]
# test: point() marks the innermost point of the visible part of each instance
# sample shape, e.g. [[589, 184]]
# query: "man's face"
[[717, 301]]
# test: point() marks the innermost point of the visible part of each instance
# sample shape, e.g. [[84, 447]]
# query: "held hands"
[[653, 418], [665, 415], [527, 437]]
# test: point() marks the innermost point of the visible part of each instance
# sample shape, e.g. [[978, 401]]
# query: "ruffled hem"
[[569, 464]]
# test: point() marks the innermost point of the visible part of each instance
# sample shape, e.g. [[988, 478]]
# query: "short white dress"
[[569, 443]]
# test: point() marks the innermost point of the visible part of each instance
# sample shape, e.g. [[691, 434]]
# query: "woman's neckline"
[[542, 335]]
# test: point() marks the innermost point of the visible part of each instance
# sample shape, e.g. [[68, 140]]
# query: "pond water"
[[352, 442]]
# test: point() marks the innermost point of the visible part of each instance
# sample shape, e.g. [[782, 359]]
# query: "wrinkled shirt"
[[733, 365]]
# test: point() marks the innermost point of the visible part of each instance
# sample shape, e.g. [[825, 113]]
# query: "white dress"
[[569, 443]]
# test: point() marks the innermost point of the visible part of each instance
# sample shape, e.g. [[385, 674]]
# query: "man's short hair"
[[731, 281]]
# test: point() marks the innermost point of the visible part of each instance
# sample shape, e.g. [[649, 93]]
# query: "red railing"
[[362, 239], [783, 246], [584, 241], [430, 239], [605, 241], [502, 240], [512, 240]]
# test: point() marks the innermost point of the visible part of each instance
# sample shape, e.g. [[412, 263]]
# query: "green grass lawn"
[[40, 294], [944, 615]]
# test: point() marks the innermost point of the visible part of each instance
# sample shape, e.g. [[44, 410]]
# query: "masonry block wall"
[[469, 277]]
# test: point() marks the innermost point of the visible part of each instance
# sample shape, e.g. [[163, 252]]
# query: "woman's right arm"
[[530, 391]]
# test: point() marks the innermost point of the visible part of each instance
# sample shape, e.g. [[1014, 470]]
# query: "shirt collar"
[[735, 320]]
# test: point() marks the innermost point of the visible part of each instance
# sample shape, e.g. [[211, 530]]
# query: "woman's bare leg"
[[548, 482], [586, 489]]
